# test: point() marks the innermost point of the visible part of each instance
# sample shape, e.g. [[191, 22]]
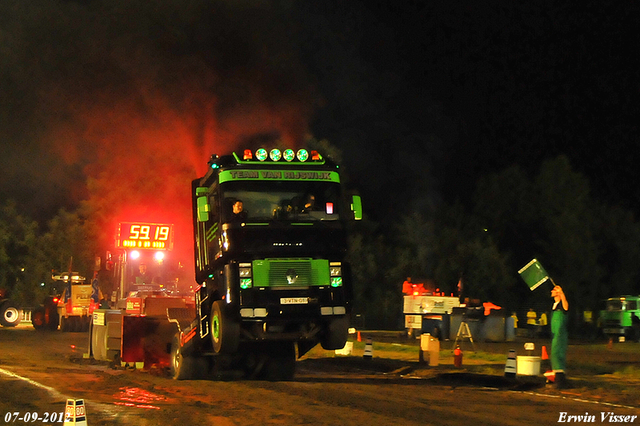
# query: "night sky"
[[112, 100]]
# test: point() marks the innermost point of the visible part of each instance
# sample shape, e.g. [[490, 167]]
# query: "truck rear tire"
[[225, 331], [9, 314], [280, 364]]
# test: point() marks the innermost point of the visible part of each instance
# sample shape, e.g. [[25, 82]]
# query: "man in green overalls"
[[560, 336]]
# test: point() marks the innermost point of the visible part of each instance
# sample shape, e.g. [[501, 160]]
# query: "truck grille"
[[290, 273]]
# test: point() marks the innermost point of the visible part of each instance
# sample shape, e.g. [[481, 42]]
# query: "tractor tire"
[[184, 367], [9, 314], [225, 331], [38, 318]]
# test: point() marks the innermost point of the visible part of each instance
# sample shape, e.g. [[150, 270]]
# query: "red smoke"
[[141, 159]]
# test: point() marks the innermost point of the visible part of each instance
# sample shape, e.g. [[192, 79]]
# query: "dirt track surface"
[[326, 391]]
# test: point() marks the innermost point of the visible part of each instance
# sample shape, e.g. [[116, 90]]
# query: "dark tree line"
[[29, 255], [588, 247]]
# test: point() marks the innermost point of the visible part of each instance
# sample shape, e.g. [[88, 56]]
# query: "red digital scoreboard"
[[140, 235]]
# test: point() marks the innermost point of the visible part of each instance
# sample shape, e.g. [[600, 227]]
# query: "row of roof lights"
[[276, 155]]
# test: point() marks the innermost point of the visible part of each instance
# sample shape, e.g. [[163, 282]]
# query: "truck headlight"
[[335, 271], [246, 279]]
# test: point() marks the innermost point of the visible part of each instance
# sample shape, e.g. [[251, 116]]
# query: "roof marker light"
[[261, 154], [289, 155], [275, 154], [303, 155], [248, 155], [315, 156]]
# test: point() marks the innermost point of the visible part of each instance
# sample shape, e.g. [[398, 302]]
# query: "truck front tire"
[[225, 331], [336, 334]]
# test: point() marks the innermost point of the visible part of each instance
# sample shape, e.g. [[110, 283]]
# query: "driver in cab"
[[238, 213]]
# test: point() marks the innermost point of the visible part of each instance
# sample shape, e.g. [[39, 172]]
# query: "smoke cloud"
[[119, 104]]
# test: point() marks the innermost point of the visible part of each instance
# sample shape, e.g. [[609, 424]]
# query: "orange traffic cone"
[[359, 337], [545, 362]]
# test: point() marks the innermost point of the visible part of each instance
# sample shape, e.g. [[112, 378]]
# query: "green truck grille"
[[291, 272]]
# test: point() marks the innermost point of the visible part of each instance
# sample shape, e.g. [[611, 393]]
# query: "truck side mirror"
[[356, 207], [203, 204]]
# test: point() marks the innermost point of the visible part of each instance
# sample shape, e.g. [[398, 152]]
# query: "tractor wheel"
[[9, 314], [38, 318], [225, 331]]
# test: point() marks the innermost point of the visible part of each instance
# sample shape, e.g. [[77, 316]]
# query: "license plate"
[[294, 300]]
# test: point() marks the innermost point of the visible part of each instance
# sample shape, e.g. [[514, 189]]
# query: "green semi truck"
[[270, 247]]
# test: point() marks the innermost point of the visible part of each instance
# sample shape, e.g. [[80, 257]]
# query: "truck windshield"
[[614, 305], [278, 200]]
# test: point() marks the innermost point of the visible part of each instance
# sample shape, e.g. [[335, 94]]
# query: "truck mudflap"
[[146, 340]]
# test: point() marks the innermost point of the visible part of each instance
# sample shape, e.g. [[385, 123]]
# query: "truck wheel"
[[38, 318], [185, 367], [225, 331], [336, 334], [9, 314], [281, 362]]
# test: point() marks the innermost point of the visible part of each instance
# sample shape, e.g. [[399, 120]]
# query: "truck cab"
[[621, 318]]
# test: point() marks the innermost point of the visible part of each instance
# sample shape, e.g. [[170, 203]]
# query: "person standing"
[[532, 319], [560, 337]]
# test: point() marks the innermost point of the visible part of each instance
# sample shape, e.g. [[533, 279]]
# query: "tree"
[[567, 217], [66, 238], [20, 271]]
